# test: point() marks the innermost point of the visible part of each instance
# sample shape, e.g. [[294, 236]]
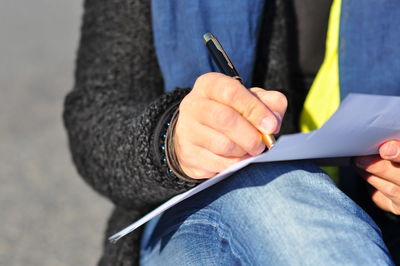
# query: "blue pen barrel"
[[220, 57]]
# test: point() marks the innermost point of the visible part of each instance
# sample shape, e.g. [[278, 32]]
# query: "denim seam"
[[234, 245]]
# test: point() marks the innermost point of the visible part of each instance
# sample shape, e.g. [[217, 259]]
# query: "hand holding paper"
[[359, 127], [383, 173]]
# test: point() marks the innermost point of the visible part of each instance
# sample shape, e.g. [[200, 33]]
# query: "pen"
[[226, 67]]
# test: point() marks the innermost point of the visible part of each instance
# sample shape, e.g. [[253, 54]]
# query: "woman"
[[118, 112]]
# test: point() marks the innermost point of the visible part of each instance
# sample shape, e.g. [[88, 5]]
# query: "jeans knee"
[[281, 192], [266, 208], [282, 180], [263, 173], [261, 196]]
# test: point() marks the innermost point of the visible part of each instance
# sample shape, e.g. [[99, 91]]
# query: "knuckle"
[[203, 78], [204, 81], [228, 90], [224, 118], [252, 111], [395, 209], [378, 168], [279, 98], [191, 108], [393, 191], [253, 144], [186, 103], [225, 146]]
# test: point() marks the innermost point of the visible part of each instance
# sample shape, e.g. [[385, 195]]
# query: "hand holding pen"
[[226, 67], [221, 123]]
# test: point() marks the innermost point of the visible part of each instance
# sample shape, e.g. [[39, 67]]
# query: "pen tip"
[[207, 37]]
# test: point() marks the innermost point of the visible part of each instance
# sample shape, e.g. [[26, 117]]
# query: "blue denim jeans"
[[287, 213]]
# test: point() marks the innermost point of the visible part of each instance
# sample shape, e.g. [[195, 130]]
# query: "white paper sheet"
[[359, 126]]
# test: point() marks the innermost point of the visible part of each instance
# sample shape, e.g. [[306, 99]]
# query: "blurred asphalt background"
[[48, 215]]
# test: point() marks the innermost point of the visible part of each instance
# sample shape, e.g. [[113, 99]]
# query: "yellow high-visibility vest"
[[324, 96]]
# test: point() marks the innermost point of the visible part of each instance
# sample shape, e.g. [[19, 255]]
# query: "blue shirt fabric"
[[369, 62], [369, 47], [178, 28]]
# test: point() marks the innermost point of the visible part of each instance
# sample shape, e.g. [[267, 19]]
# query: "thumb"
[[274, 100], [390, 150]]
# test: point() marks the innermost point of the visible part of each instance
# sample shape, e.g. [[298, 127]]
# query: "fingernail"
[[279, 117], [268, 125], [390, 150]]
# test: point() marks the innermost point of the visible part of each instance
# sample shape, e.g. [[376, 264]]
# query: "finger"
[[214, 141], [390, 190], [275, 101], [390, 150], [231, 92], [200, 163], [384, 202], [375, 165], [230, 123]]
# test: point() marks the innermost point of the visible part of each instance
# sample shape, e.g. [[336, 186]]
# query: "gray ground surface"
[[48, 216]]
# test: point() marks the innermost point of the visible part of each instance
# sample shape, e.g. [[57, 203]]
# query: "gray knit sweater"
[[116, 104]]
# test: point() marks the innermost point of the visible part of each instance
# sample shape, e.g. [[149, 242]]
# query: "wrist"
[[170, 152]]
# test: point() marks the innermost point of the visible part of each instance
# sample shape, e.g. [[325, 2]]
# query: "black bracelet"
[[170, 156], [161, 148]]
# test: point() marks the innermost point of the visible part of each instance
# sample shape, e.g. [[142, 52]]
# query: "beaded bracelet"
[[163, 137], [169, 151]]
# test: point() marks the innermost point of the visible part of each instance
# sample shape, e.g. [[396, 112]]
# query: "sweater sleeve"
[[115, 106]]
